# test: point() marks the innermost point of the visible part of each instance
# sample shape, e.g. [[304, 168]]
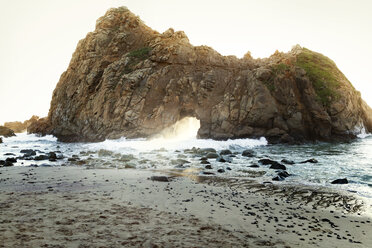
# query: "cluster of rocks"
[[125, 79], [226, 156]]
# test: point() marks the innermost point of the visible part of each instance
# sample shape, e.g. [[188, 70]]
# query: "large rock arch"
[[126, 79]]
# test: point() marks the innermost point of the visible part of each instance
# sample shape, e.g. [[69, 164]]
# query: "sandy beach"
[[78, 207]]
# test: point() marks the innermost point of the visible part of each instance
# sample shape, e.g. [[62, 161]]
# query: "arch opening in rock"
[[184, 129]]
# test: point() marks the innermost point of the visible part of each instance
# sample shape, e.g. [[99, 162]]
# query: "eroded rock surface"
[[125, 79]]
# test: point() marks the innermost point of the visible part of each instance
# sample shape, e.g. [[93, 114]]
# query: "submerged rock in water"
[[340, 181], [204, 162], [208, 167], [254, 166], [312, 160], [248, 153], [225, 152], [224, 159], [212, 155], [274, 165], [153, 79], [283, 174], [41, 157], [286, 161], [105, 153]]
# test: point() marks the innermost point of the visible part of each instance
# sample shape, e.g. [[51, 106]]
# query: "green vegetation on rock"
[[277, 70], [322, 72], [142, 53], [137, 56], [280, 68]]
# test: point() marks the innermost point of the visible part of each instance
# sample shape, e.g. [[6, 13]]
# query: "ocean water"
[[345, 160]]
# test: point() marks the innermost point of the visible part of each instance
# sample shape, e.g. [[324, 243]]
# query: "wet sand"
[[79, 207]]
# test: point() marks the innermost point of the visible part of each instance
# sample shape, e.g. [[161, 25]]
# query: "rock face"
[[6, 132], [20, 127], [125, 79]]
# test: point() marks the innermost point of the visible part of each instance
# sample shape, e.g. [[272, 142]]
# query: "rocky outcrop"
[[125, 79], [6, 132], [20, 127]]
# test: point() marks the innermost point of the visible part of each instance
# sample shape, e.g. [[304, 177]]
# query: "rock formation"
[[6, 132], [20, 127], [125, 79]]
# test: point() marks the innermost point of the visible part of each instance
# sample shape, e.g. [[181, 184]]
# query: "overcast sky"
[[38, 37]]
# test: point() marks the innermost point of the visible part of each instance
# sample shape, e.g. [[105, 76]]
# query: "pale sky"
[[38, 37]]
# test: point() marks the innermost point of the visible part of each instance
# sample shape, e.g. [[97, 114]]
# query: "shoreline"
[[182, 212]]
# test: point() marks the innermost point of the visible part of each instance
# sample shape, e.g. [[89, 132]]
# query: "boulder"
[[340, 181], [225, 152], [274, 165], [286, 161], [1, 140], [160, 178], [125, 79], [312, 160], [248, 153], [224, 159], [212, 155]]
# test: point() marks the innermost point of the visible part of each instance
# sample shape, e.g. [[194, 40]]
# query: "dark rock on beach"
[[1, 140], [340, 181], [12, 160], [160, 178], [153, 80]]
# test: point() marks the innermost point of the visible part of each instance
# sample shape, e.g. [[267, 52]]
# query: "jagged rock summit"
[[125, 79]]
